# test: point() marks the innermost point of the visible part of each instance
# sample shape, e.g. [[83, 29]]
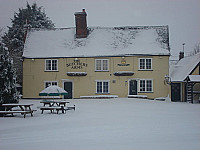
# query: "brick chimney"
[[181, 55], [81, 24]]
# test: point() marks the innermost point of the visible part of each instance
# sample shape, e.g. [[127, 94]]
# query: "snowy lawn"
[[106, 124]]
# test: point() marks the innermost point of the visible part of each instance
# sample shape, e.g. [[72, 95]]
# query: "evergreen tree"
[[29, 17], [33, 17], [8, 90]]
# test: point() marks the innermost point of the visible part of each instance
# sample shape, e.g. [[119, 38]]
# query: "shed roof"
[[194, 78], [101, 41], [184, 68]]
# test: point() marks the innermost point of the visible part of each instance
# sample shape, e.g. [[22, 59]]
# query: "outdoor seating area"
[[54, 106], [48, 104]]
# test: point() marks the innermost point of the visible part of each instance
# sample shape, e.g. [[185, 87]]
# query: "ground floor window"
[[146, 85], [50, 83], [102, 86]]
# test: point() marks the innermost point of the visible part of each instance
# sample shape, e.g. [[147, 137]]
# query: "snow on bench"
[[71, 107], [48, 108], [137, 96], [99, 97], [61, 108], [17, 111]]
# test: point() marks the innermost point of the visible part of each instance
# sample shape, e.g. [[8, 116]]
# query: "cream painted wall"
[[197, 85], [34, 76]]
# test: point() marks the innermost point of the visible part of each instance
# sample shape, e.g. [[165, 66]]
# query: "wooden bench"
[[17, 111], [71, 107], [48, 108], [64, 109], [61, 108]]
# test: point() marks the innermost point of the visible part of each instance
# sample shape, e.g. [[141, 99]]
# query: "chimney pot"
[[181, 55]]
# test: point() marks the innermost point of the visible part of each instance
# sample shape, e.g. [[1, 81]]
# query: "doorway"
[[132, 87], [176, 92], [68, 88]]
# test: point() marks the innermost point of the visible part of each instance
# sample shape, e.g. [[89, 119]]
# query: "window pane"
[[54, 83], [54, 64], [47, 84], [142, 85], [99, 87], [98, 64], [48, 64], [149, 85], [148, 63], [142, 63], [105, 64], [105, 87]]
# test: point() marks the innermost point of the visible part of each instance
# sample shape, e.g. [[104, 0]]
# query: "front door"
[[68, 88], [132, 87], [176, 92]]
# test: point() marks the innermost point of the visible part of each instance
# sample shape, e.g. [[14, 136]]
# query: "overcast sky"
[[182, 16]]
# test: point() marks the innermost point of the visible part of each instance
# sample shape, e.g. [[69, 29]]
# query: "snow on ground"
[[106, 124]]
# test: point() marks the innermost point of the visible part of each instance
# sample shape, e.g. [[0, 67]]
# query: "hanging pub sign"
[[77, 64]]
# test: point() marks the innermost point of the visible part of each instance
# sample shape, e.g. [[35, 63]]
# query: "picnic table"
[[23, 109], [61, 105]]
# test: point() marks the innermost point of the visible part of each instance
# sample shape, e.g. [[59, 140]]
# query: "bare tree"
[[196, 49]]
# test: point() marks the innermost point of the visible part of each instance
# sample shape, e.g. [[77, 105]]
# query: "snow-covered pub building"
[[89, 61]]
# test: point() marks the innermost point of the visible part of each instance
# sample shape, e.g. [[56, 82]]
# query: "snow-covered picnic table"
[[60, 105], [24, 109]]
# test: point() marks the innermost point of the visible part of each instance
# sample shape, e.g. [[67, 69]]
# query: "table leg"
[[22, 108], [29, 108]]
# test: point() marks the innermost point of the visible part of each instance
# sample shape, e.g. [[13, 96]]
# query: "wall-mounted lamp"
[[76, 59], [123, 61], [167, 79]]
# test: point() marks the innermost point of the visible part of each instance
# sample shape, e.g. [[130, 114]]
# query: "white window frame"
[[102, 67], [102, 81], [145, 86], [50, 83], [145, 64], [51, 69]]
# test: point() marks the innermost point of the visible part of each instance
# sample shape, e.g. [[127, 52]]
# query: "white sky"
[[182, 16]]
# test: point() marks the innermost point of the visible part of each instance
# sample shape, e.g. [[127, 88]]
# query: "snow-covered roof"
[[194, 78], [183, 68], [101, 41]]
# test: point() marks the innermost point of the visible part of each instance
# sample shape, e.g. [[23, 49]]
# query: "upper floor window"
[[51, 65], [101, 65], [145, 63]]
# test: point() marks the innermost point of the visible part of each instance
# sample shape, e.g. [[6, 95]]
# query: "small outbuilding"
[[185, 79]]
